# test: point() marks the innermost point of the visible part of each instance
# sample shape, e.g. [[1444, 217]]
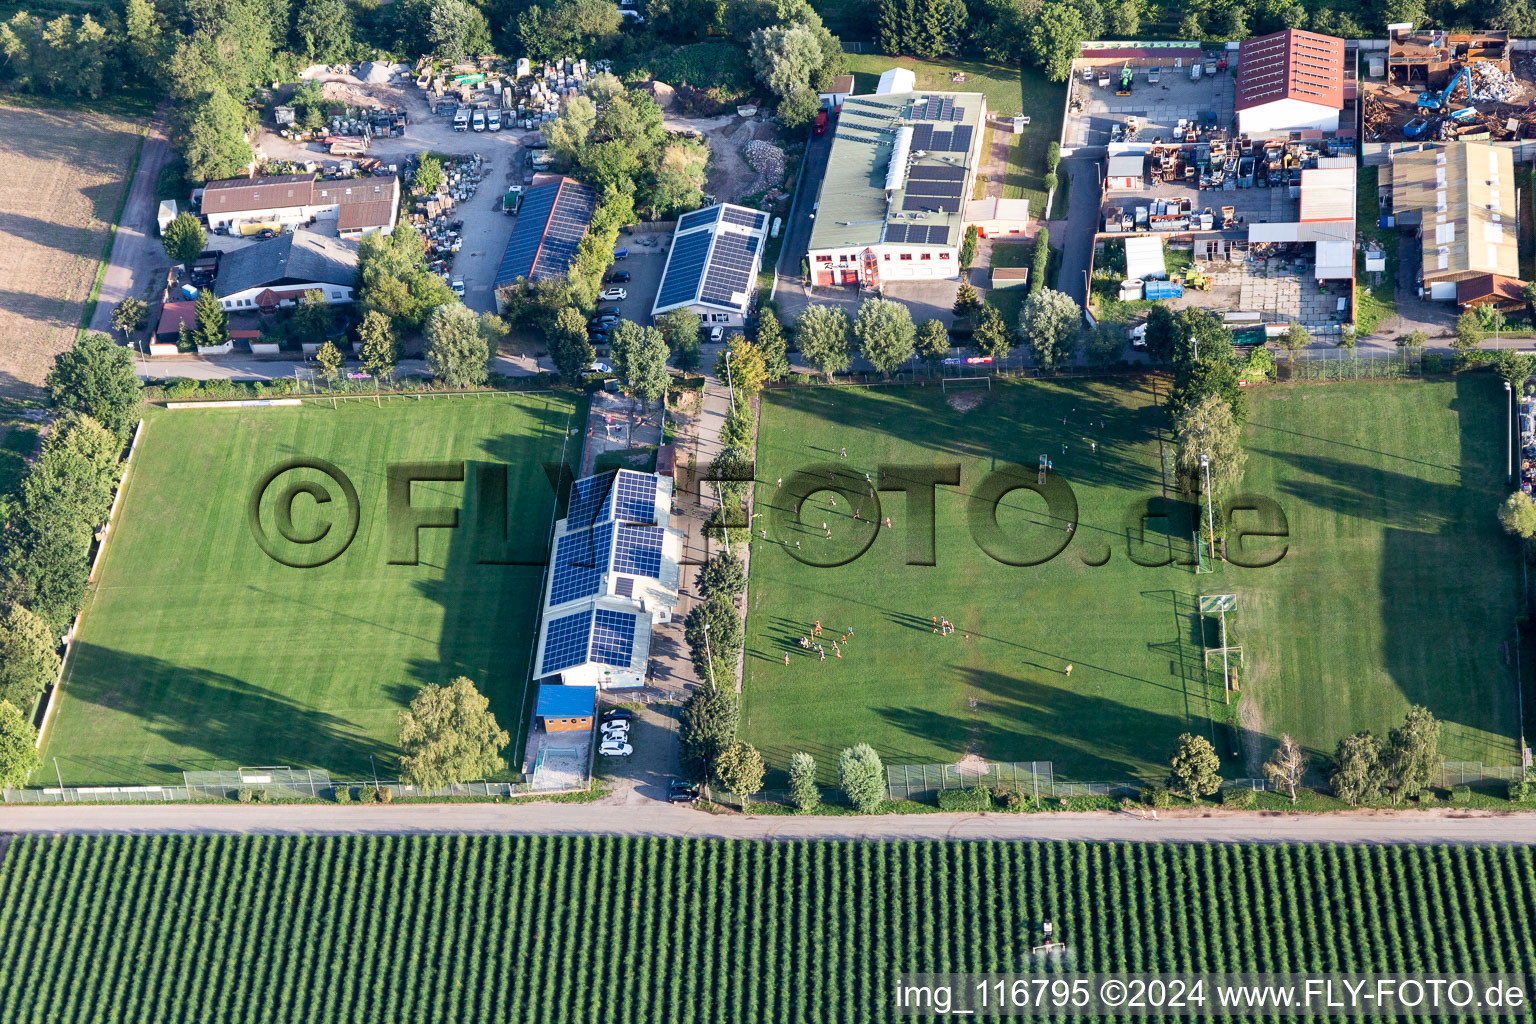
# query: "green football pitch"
[[197, 650], [1397, 585]]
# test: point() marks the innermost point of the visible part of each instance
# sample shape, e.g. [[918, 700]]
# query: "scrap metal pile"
[[432, 213]]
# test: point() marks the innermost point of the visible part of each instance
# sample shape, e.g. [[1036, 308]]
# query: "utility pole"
[[1509, 431], [728, 377], [709, 659], [1205, 466]]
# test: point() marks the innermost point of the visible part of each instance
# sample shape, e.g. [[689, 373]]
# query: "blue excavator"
[[1431, 101]]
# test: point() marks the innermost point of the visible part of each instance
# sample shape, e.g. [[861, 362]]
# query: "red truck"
[[821, 122]]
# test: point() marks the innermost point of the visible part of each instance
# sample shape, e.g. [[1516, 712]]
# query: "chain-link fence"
[[279, 784], [1470, 773], [1344, 364]]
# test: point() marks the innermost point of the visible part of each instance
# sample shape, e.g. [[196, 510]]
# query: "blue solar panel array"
[[589, 499], [613, 638], [745, 218], [549, 225], [636, 498], [581, 559], [730, 268], [566, 642], [638, 550], [681, 281], [698, 217]]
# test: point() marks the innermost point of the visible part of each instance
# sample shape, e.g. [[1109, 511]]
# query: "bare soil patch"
[[62, 178], [965, 401]]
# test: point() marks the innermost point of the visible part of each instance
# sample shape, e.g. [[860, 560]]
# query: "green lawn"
[[1373, 304], [197, 650], [1341, 635], [1009, 90]]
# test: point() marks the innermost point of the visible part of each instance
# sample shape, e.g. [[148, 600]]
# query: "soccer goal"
[[1231, 654], [956, 383]]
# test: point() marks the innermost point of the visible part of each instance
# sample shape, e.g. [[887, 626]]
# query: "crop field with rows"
[[614, 929]]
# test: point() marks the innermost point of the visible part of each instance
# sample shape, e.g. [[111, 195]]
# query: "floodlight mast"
[[1205, 466], [1509, 433]]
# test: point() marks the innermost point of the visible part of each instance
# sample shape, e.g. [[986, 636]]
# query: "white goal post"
[[959, 382]]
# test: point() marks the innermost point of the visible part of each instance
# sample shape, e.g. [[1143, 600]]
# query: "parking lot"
[[1095, 110], [644, 264], [486, 229]]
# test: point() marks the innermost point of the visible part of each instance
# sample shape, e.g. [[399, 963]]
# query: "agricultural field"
[[199, 651], [1009, 90], [555, 929], [1390, 491], [63, 173]]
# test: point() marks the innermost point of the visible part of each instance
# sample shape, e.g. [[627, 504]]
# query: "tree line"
[[47, 530]]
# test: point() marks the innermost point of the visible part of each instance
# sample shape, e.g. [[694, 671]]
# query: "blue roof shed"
[[559, 701]]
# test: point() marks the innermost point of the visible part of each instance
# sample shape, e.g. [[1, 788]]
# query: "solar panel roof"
[[613, 638], [581, 559], [636, 498], [680, 282], [730, 268], [689, 221], [589, 496], [549, 225], [566, 640], [746, 218], [932, 204], [960, 139], [936, 172], [638, 550]]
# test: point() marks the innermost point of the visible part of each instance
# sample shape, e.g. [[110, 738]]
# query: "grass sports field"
[[199, 651], [1398, 585], [497, 928]]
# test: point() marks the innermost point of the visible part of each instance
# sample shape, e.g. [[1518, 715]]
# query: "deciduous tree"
[[376, 344], [18, 747], [933, 340], [312, 318], [1048, 323], [739, 767], [803, 791], [746, 370], [1286, 766], [1413, 751], [449, 736], [722, 576], [706, 726], [861, 776], [886, 334], [681, 329], [213, 141], [569, 345], [1195, 770], [1358, 774], [29, 656], [822, 332], [97, 378], [1209, 429], [328, 358], [457, 352], [768, 336], [1518, 515]]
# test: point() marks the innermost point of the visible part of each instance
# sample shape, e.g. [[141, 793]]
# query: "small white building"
[[842, 88], [997, 218], [276, 273], [614, 571], [1290, 81], [1124, 172], [896, 80], [713, 263], [250, 205], [165, 215]]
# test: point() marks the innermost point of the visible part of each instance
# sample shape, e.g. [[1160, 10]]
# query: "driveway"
[[642, 777], [1076, 241], [138, 260], [797, 231]]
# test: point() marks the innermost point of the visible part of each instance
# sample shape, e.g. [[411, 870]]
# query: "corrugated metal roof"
[[1144, 258], [1328, 193], [1335, 260], [1464, 196], [1291, 65]]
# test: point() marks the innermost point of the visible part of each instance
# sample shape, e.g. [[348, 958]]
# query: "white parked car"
[[458, 287], [615, 749], [716, 334], [614, 295], [1139, 336], [615, 730]]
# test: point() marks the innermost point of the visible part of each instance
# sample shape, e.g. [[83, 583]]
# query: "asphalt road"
[[797, 234], [658, 819], [1083, 200], [137, 256]]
